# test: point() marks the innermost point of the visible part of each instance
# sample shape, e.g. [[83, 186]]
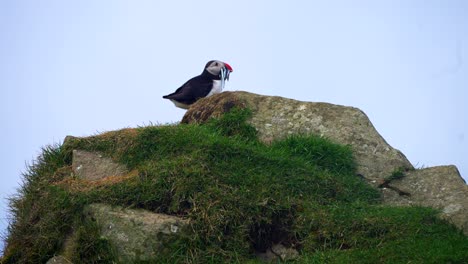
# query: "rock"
[[58, 260], [94, 166], [137, 235], [437, 187], [277, 117], [278, 252], [284, 253]]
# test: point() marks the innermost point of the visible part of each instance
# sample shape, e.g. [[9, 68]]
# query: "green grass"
[[241, 196]]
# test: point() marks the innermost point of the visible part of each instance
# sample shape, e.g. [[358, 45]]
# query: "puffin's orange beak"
[[228, 67]]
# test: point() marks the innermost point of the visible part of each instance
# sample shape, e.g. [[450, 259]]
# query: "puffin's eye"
[[216, 64]]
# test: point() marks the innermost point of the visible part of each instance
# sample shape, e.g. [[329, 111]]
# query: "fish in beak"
[[224, 73]]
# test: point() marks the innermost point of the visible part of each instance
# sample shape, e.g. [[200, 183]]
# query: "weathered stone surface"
[[94, 166], [437, 187], [278, 252], [277, 117], [284, 253], [138, 235], [58, 260]]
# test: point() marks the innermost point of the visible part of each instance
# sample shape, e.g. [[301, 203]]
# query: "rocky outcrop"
[[94, 166], [438, 187], [141, 236], [137, 235], [277, 117]]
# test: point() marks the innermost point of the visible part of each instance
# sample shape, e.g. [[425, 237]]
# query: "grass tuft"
[[234, 123]]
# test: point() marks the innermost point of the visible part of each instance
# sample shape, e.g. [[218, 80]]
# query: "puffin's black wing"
[[194, 89]]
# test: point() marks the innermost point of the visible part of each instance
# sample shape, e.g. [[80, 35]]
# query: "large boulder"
[[277, 117], [137, 235], [439, 187]]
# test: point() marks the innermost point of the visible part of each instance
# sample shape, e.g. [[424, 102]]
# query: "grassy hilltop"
[[240, 195]]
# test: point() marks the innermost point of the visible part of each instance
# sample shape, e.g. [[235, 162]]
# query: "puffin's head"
[[219, 68]]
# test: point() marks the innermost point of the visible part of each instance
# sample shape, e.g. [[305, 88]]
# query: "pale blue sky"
[[82, 67]]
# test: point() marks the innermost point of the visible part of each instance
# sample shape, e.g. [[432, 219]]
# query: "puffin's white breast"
[[217, 88]]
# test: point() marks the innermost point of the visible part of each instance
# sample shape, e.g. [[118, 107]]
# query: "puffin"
[[210, 81]]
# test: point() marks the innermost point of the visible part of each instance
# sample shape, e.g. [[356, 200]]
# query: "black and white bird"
[[210, 81]]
